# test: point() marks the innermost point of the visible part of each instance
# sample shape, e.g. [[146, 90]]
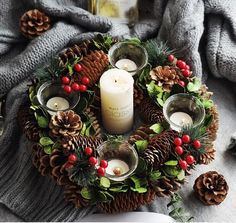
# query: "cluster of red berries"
[[188, 159], [183, 66], [71, 161], [70, 85]]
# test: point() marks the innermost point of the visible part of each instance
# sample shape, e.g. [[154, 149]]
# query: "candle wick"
[[56, 105], [115, 81]]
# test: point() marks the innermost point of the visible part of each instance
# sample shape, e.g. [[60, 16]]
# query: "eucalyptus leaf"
[[86, 193], [160, 102], [136, 181], [105, 182], [121, 189], [181, 175], [46, 141], [47, 149], [155, 175], [157, 128], [42, 122], [172, 171], [139, 189], [171, 163], [194, 86], [207, 104], [141, 145]]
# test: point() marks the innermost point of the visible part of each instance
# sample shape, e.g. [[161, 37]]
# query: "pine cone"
[[138, 96], [75, 51], [159, 149], [65, 124], [41, 160], [208, 156], [128, 201], [95, 123], [34, 23], [204, 93], [213, 128], [57, 162], [149, 112], [166, 186], [28, 123], [94, 65], [141, 133], [165, 76], [73, 142], [211, 188], [72, 194]]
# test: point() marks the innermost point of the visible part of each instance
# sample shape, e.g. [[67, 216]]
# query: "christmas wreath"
[[65, 144]]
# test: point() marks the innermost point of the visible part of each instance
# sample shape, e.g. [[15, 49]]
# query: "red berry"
[[77, 67], [186, 139], [72, 158], [189, 159], [183, 164], [179, 150], [82, 88], [67, 89], [75, 87], [101, 171], [103, 163], [92, 161], [88, 151], [178, 141], [69, 166], [171, 58], [186, 73], [85, 80], [182, 83], [187, 67], [181, 64], [65, 80], [197, 144]]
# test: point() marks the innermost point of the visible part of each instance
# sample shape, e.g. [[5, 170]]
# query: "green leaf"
[[181, 175], [121, 189], [86, 193], [151, 87], [136, 181], [42, 122], [46, 141], [142, 167], [47, 149], [155, 175], [172, 171], [166, 95], [141, 145], [139, 189], [171, 163], [207, 104], [157, 128], [83, 129], [105, 182], [160, 102], [70, 69], [194, 86]]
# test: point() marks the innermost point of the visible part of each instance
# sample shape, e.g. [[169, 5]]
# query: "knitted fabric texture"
[[22, 189]]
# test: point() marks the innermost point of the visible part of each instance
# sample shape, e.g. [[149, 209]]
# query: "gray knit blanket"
[[202, 31]]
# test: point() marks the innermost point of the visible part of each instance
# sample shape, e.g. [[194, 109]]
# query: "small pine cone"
[[65, 124], [95, 123], [128, 201], [138, 96], [72, 194], [150, 112], [34, 23], [211, 188], [204, 93], [41, 160], [159, 149], [208, 156], [213, 128], [166, 186], [71, 143], [165, 77], [94, 65], [141, 133]]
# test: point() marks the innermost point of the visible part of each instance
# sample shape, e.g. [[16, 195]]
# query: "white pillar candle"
[[181, 119], [116, 87], [126, 64], [57, 104], [115, 165]]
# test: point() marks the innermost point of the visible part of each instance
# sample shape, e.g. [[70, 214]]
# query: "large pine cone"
[[72, 143], [213, 128], [166, 187], [28, 123], [159, 149], [72, 194], [94, 122], [211, 188], [65, 124], [165, 77], [94, 65], [128, 201], [208, 155], [34, 23], [150, 112]]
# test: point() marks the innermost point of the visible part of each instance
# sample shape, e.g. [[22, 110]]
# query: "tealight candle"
[[117, 167], [126, 64], [181, 119], [57, 104], [116, 87]]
